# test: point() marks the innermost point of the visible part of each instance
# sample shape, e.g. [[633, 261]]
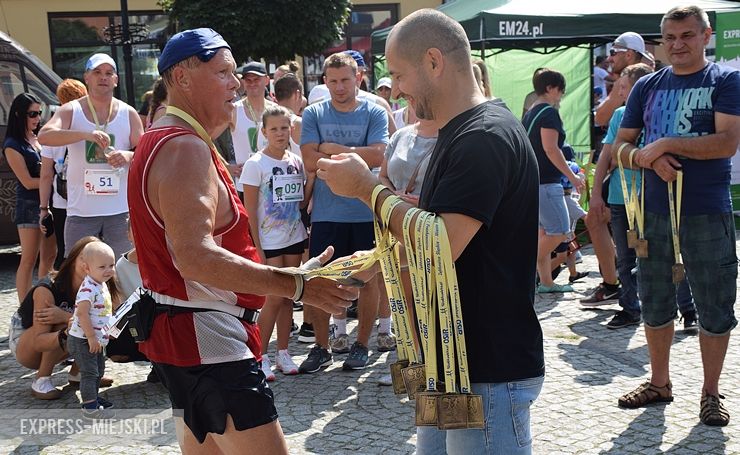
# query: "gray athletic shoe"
[[357, 358], [318, 358]]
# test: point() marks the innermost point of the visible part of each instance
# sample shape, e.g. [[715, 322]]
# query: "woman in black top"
[[22, 150], [545, 130], [37, 336]]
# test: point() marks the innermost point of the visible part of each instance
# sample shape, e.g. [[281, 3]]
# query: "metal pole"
[[127, 57]]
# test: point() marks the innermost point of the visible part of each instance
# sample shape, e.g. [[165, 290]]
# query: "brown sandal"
[[647, 393], [713, 412]]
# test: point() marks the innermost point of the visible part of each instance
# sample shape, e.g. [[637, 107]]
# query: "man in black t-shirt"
[[482, 181]]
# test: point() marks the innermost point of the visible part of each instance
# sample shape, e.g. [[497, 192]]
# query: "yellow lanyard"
[[95, 114], [628, 201], [639, 211], [390, 266], [675, 209]]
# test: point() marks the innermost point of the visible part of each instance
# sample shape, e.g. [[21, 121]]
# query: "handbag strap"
[[531, 124], [411, 185]]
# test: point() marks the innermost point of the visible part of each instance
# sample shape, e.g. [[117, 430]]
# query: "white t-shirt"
[[247, 136], [280, 223], [128, 275], [600, 75], [101, 308], [398, 118], [56, 154], [80, 200]]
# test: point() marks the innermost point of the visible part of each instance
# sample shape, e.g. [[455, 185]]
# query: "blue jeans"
[[506, 410], [626, 262]]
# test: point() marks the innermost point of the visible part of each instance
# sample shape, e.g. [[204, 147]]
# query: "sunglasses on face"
[[33, 114], [614, 51]]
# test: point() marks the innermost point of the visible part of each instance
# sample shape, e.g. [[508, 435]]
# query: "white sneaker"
[[285, 363], [267, 369], [43, 389]]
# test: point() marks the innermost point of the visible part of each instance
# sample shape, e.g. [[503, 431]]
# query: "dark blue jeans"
[[627, 261]]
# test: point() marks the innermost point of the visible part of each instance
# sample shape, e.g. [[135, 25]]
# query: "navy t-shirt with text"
[[670, 105]]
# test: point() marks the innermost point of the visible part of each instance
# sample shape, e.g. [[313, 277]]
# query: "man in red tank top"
[[196, 251]]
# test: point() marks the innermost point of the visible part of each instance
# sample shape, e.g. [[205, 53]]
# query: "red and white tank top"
[[189, 339]]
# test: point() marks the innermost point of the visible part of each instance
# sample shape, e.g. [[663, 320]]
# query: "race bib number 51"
[[287, 188], [102, 182]]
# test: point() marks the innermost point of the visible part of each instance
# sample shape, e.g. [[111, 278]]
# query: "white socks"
[[385, 325]]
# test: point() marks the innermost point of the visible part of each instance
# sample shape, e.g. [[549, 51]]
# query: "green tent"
[[515, 37]]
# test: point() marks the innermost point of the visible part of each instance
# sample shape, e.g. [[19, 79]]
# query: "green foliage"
[[271, 29]]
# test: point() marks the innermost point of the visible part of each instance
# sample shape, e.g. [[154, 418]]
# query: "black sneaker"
[[623, 319], [317, 358], [357, 358], [604, 294], [104, 403], [577, 276], [690, 323], [305, 334], [352, 310]]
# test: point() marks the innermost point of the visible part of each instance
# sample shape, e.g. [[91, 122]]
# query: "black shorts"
[[296, 248], [346, 238], [203, 395]]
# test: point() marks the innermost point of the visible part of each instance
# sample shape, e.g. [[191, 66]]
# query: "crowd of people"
[[228, 187]]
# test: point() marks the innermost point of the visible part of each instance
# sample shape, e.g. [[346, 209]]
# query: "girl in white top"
[[274, 192]]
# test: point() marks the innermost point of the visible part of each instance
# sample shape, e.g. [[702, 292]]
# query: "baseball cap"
[[98, 59], [384, 82], [319, 93], [357, 56], [631, 40], [255, 68], [201, 42]]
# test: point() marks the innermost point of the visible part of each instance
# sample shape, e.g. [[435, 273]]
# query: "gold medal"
[[631, 238], [452, 411], [426, 409], [678, 272], [414, 380], [641, 248], [398, 385], [476, 418]]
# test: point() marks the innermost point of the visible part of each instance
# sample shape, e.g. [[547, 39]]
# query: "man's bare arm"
[[722, 144], [56, 132], [372, 154], [189, 213], [310, 155]]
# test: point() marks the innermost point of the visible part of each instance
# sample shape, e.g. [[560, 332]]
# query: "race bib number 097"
[[287, 188]]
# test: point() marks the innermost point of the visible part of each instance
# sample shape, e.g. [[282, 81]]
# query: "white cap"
[[631, 40], [98, 59], [384, 82], [319, 93]]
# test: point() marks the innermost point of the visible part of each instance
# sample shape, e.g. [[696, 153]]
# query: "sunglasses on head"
[[614, 51], [33, 114]]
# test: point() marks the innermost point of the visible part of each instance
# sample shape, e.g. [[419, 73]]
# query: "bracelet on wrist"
[[43, 208], [299, 287]]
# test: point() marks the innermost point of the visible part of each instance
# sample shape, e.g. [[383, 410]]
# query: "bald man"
[[482, 181]]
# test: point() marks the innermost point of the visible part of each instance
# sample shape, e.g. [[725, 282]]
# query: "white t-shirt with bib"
[[80, 200], [280, 223]]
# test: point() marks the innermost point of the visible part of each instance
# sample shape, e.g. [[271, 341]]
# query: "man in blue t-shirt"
[[342, 124], [690, 112]]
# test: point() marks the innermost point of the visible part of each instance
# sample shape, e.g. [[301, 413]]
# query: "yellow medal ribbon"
[[628, 201], [639, 211], [95, 115], [674, 204]]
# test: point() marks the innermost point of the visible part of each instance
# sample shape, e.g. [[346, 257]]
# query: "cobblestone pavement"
[[588, 367]]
